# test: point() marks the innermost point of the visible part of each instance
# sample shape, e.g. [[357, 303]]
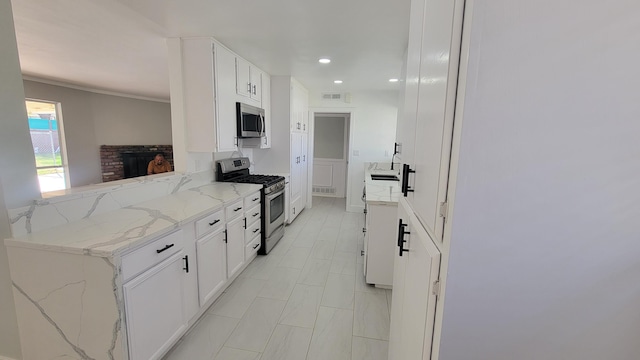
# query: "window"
[[48, 146]]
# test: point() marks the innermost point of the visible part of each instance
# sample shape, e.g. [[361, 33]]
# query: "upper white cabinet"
[[299, 108], [427, 119], [248, 82], [203, 93]]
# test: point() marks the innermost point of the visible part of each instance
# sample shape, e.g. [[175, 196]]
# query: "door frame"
[[351, 112]]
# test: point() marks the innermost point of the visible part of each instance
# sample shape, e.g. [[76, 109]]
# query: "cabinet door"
[[407, 114], [235, 246], [256, 85], [243, 79], [212, 265], [296, 158], [225, 99], [266, 105], [396, 350], [436, 101], [418, 302], [154, 308], [304, 170]]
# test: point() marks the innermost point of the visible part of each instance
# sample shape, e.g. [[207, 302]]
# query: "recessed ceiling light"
[[337, 81], [393, 80], [324, 61]]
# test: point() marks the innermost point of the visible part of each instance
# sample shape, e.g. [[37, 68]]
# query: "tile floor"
[[307, 299]]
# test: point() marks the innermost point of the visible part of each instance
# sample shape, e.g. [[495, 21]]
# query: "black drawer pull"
[[406, 170], [214, 222], [256, 230], [165, 248], [238, 209], [256, 246], [256, 199], [186, 263], [256, 214]]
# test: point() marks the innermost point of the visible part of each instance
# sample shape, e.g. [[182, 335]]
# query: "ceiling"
[[120, 45]]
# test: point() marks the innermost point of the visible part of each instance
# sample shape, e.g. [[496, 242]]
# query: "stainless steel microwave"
[[250, 120]]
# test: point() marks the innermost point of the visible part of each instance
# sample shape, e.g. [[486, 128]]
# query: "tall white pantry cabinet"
[[517, 237]]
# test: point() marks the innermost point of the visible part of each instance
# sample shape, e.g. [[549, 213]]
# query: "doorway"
[[330, 154]]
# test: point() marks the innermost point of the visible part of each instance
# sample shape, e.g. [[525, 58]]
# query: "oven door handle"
[[273, 195]]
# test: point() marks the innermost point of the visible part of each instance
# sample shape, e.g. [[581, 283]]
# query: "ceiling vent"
[[345, 97]]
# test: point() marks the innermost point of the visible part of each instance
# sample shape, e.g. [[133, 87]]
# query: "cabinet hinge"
[[436, 288], [443, 209]]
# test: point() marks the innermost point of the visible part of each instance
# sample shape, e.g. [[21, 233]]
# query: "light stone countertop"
[[382, 191], [116, 231]]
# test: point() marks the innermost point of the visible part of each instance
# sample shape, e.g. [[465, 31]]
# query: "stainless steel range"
[[273, 198]]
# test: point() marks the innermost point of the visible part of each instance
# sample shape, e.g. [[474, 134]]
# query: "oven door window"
[[251, 123], [276, 208]]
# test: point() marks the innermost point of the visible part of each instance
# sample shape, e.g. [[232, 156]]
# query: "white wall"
[[92, 119], [544, 246], [373, 133], [18, 181]]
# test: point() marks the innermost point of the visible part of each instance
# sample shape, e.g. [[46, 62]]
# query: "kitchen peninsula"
[[123, 283]]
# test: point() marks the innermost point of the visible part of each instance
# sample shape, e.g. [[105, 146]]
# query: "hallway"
[[307, 299]]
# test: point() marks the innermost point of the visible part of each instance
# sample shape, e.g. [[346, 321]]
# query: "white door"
[[154, 308], [418, 302], [330, 149], [436, 101], [212, 265], [225, 99], [235, 246]]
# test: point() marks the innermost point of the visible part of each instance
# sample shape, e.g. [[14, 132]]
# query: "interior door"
[[436, 101]]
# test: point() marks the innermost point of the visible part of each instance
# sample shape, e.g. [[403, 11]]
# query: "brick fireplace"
[[114, 159]]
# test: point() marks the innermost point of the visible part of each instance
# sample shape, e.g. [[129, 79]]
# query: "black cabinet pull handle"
[[401, 234], [256, 214], [186, 263], [256, 199], [214, 222], [406, 170], [256, 246], [165, 248], [238, 209], [245, 223], [225, 236], [256, 230]]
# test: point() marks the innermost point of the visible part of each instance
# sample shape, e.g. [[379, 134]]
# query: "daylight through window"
[[48, 148]]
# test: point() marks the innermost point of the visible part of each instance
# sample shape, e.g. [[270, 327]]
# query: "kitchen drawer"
[[211, 222], [253, 214], [252, 230], [234, 210], [150, 254], [252, 200], [252, 247]]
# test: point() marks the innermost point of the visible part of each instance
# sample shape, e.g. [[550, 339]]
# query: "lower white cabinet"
[[379, 243], [154, 306], [212, 265], [416, 272], [235, 246]]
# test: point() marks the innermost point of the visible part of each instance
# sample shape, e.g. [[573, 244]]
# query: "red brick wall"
[[111, 158]]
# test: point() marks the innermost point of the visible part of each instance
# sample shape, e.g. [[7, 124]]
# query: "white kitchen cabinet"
[[299, 168], [205, 87], [154, 307], [416, 274], [427, 124], [266, 105], [379, 245], [248, 82], [212, 265], [299, 108], [235, 246]]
